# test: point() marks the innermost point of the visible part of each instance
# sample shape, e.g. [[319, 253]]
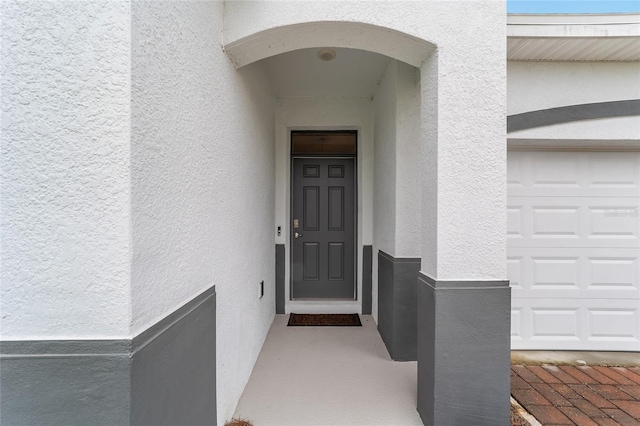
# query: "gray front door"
[[323, 228]]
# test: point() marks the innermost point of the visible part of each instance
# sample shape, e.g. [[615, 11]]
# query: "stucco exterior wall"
[[533, 86], [471, 101], [203, 183], [384, 176], [65, 170], [408, 150]]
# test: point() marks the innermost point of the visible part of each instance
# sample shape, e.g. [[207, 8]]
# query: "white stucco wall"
[[533, 86], [65, 170], [384, 165], [408, 150], [466, 135], [463, 105], [203, 183], [384, 174], [324, 113], [397, 178]]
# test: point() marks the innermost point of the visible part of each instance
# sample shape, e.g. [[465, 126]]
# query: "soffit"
[[573, 37]]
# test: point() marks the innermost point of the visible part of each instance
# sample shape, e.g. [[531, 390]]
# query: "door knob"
[[296, 235]]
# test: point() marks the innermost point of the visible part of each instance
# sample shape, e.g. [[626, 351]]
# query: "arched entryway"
[[439, 202]]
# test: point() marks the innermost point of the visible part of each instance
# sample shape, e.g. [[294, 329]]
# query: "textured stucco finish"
[[385, 175], [138, 169], [139, 164], [203, 182], [396, 106], [65, 170], [384, 163], [533, 86], [408, 184], [463, 338], [465, 84]]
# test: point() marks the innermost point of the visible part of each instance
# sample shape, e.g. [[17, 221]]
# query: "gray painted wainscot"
[[367, 280], [463, 352], [164, 376], [397, 305], [280, 273]]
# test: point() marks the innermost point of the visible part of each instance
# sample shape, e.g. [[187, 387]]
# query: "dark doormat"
[[324, 320]]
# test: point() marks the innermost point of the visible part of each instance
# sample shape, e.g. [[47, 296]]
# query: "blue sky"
[[573, 6]]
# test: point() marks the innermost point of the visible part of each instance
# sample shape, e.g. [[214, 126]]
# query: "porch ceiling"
[[353, 73]]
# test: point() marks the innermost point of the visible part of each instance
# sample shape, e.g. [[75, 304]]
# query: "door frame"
[[354, 158]]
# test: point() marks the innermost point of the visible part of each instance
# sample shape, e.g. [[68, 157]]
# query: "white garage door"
[[574, 250]]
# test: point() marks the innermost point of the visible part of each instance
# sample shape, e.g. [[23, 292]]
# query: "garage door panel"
[[618, 221], [613, 170], [573, 232], [575, 324], [573, 222], [552, 173], [574, 272], [606, 324]]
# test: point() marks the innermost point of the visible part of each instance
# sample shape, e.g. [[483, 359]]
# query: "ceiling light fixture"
[[326, 54]]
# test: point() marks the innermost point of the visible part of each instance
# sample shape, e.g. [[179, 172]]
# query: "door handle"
[[296, 235]]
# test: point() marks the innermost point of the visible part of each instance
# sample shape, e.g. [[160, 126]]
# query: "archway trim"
[[354, 35]]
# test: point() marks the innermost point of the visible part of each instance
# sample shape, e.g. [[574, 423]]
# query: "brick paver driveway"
[[578, 395]]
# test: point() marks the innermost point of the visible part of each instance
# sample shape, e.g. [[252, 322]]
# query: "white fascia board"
[[554, 26]]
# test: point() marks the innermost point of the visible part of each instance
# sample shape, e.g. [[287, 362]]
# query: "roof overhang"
[[611, 37]]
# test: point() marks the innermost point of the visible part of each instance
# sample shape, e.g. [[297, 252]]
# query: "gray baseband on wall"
[[173, 368], [367, 280], [71, 382], [280, 264], [463, 352], [397, 305], [567, 114], [164, 376]]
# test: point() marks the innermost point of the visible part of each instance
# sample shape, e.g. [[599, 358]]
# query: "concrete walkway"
[[344, 376], [329, 376]]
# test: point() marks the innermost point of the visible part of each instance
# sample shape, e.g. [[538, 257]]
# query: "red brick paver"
[[620, 416], [564, 377], [634, 391], [607, 422], [628, 374], [543, 374], [579, 375], [632, 408], [551, 395], [593, 397], [578, 395], [577, 416], [619, 378], [549, 415], [598, 376]]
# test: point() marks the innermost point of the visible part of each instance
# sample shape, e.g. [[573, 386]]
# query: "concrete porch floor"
[[329, 376], [344, 376]]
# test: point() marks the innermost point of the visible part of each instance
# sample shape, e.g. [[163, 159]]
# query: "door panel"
[[323, 228]]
